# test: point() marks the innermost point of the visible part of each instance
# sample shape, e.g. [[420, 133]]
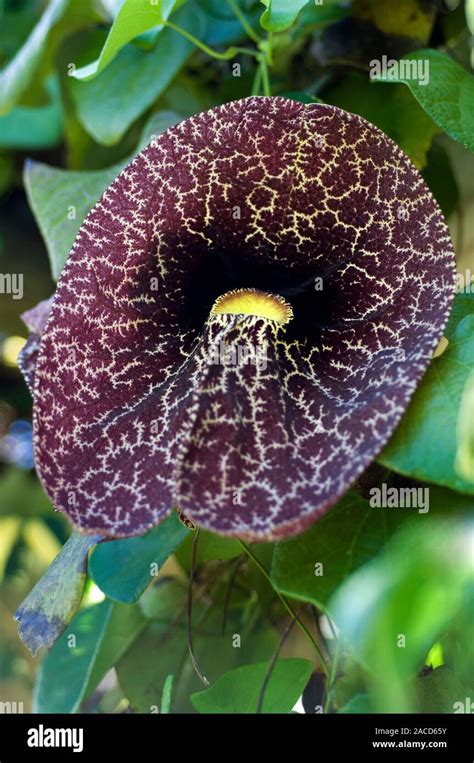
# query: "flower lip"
[[254, 302]]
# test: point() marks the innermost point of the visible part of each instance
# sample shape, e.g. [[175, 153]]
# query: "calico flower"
[[240, 325]]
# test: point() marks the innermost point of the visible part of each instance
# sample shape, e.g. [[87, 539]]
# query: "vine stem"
[[265, 76], [225, 56], [332, 675], [257, 81], [287, 606], [247, 27]]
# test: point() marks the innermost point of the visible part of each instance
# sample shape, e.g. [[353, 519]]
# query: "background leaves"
[[431, 417], [394, 608], [217, 651], [104, 110], [449, 98], [347, 537], [14, 79]]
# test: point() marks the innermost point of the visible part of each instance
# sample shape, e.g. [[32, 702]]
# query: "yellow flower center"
[[254, 302]]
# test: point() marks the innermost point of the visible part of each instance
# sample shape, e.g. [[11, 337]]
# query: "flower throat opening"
[[312, 308]]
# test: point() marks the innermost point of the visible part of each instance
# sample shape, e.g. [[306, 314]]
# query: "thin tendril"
[[272, 664], [287, 606], [190, 611]]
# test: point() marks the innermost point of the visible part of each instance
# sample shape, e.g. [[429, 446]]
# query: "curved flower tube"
[[241, 323]]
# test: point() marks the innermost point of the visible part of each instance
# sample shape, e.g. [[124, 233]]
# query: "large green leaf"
[[238, 690], [123, 569], [392, 611], [424, 444], [123, 627], [16, 76], [347, 537], [465, 433], [394, 111], [133, 18], [22, 77], [107, 111], [48, 608], [448, 98], [61, 199], [95, 640], [33, 128], [439, 175], [280, 14], [53, 693]]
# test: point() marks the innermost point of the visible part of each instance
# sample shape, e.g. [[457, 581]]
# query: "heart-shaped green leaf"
[[448, 97], [123, 569], [238, 690], [133, 18]]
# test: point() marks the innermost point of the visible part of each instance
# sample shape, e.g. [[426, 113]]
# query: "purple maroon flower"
[[240, 325]]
